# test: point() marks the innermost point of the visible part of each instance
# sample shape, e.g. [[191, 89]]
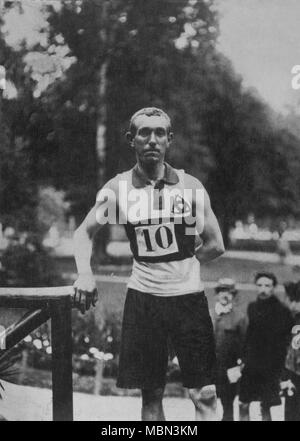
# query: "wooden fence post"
[[61, 336]]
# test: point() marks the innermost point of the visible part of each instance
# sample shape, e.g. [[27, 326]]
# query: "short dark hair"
[[292, 290], [149, 111], [266, 274]]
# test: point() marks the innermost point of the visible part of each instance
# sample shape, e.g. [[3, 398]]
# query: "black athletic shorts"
[[149, 323]]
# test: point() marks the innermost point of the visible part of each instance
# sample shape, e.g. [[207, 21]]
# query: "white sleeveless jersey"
[[167, 278], [160, 225]]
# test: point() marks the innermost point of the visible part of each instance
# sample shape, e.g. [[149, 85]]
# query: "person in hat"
[[230, 328], [291, 380]]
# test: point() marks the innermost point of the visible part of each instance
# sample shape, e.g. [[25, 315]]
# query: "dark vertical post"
[[61, 335]]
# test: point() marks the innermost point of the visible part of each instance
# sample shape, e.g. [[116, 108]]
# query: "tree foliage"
[[160, 53], [17, 184]]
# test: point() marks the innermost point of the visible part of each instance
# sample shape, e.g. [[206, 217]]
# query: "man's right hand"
[[85, 292]]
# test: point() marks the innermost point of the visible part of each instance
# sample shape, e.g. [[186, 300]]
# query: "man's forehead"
[[151, 121], [264, 280]]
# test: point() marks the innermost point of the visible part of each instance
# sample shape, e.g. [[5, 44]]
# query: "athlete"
[[165, 212]]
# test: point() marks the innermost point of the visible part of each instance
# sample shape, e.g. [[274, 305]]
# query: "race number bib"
[[156, 240]]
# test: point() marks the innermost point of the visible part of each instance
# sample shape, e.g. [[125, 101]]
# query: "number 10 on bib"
[[156, 240]]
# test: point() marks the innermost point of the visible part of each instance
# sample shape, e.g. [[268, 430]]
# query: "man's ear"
[[170, 137], [129, 138]]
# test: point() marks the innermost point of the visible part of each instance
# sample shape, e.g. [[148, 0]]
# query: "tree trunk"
[[101, 123], [98, 376], [101, 151]]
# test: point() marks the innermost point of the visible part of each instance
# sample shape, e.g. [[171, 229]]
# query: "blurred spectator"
[[52, 239], [230, 328], [252, 227], [291, 383], [238, 232], [270, 323], [282, 245], [9, 237]]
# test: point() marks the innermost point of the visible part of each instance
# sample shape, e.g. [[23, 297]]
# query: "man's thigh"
[[144, 351], [193, 340]]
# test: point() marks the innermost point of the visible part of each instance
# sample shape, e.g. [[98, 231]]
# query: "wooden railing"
[[44, 304]]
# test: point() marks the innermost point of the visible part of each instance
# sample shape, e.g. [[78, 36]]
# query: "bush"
[[28, 265], [90, 341]]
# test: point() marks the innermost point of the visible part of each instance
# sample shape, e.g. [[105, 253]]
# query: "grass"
[[241, 270]]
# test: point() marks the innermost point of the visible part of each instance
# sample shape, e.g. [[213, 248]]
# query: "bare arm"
[[212, 242], [85, 285], [83, 242]]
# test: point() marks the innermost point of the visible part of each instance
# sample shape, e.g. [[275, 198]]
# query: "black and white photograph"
[[149, 213]]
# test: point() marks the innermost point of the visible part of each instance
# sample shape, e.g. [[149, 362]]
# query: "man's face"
[[224, 297], [151, 139], [265, 287]]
